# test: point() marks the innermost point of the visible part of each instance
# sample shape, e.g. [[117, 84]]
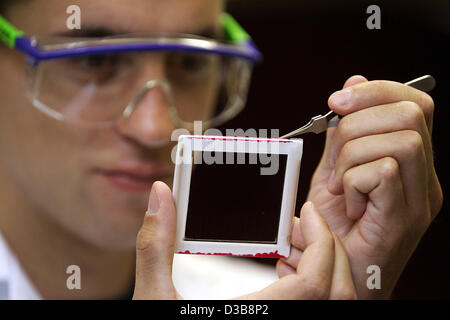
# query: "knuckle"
[[144, 240], [347, 151], [437, 199], [413, 113], [428, 103], [412, 143], [389, 169], [348, 178]]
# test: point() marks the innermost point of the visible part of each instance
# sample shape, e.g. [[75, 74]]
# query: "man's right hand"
[[323, 270]]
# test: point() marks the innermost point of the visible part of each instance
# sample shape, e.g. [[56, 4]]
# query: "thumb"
[[329, 155], [155, 247]]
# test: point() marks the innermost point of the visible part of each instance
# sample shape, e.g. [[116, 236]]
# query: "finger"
[[372, 93], [353, 80], [379, 182], [387, 118], [297, 239], [288, 265], [389, 220], [342, 286], [399, 116], [406, 147], [298, 244], [386, 229], [393, 117], [328, 157], [155, 247], [284, 269], [314, 271], [293, 259]]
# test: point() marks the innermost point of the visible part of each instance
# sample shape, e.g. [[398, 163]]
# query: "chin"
[[110, 229], [113, 239]]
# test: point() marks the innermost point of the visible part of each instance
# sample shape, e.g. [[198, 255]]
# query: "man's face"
[[94, 182]]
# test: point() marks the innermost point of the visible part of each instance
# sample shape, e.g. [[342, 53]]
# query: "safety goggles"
[[97, 81]]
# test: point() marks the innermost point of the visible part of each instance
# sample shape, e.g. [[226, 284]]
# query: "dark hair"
[[4, 4]]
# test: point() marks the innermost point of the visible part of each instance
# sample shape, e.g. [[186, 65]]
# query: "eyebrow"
[[100, 32]]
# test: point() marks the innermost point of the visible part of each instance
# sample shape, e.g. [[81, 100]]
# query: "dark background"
[[310, 48], [238, 214]]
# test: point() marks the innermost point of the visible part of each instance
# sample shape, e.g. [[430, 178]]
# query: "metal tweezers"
[[321, 123]]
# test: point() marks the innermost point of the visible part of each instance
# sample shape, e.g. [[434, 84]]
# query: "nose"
[[148, 118]]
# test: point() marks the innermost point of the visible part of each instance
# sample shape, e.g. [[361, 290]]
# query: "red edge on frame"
[[257, 255], [239, 139]]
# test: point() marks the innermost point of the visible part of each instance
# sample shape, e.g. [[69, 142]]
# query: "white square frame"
[[187, 144]]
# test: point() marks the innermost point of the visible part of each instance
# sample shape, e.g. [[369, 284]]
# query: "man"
[[74, 193]]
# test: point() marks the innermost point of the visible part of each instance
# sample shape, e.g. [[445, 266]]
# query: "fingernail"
[[341, 98], [153, 202], [309, 205]]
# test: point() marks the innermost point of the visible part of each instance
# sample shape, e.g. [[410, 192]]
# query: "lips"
[[134, 178]]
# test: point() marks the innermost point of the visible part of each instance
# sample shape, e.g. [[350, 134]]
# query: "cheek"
[[39, 153], [199, 103], [32, 138], [51, 163]]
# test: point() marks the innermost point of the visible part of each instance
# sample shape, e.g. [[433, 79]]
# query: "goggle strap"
[[8, 33], [234, 31]]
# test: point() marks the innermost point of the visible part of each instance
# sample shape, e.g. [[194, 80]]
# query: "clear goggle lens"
[[100, 89]]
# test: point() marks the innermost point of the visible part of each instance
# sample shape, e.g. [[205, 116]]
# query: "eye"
[[190, 65], [193, 63], [95, 62], [99, 68]]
